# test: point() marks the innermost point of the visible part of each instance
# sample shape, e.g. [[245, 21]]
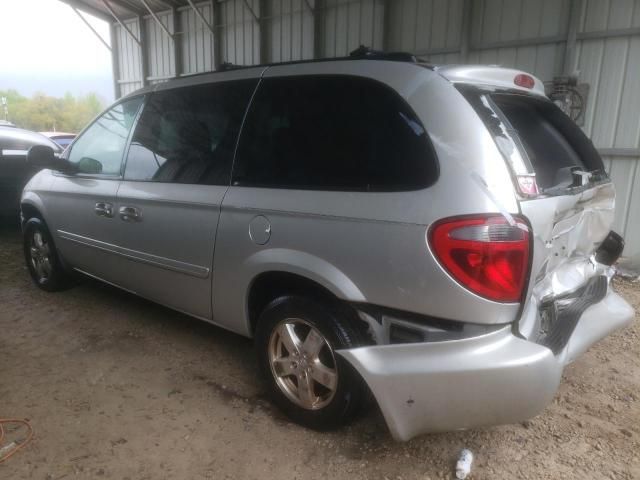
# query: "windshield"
[[536, 138]]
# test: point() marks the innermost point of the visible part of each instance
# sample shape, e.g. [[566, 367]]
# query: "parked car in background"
[[61, 138], [14, 170], [439, 236], [6, 123]]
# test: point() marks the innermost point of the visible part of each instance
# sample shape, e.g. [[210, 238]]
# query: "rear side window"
[[536, 137], [189, 135], [334, 133]]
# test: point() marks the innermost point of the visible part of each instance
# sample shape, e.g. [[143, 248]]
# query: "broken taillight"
[[486, 254]]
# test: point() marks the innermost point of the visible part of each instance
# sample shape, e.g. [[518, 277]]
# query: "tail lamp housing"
[[487, 254], [525, 81]]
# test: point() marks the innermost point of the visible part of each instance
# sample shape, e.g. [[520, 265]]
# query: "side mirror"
[[89, 165], [43, 156]]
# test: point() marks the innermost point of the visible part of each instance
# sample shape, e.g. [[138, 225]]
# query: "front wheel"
[[297, 339], [41, 257]]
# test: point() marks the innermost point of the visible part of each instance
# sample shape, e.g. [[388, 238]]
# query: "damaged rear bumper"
[[492, 379]]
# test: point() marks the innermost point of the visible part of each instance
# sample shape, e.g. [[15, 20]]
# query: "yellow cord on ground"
[[18, 445]]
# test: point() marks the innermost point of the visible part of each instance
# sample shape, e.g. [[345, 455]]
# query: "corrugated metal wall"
[[611, 66], [198, 54], [600, 39]]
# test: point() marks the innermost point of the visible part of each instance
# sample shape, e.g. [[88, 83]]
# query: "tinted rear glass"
[[535, 136], [551, 139], [333, 132]]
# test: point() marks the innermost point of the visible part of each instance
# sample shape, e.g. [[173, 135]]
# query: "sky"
[[45, 47]]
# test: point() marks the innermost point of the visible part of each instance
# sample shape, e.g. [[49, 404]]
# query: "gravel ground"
[[117, 387]]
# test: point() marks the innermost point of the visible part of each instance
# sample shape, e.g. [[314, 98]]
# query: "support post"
[[465, 37], [177, 44], [387, 26], [264, 31], [115, 62], [575, 10], [144, 54], [218, 56], [318, 28]]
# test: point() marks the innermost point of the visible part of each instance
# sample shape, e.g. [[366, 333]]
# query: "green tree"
[[45, 113]]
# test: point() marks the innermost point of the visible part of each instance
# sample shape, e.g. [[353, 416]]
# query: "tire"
[[332, 391], [41, 256]]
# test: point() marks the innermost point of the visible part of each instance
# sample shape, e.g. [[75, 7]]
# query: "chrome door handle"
[[104, 209], [130, 214]]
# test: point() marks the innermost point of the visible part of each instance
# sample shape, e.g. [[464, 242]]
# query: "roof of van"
[[233, 72], [482, 75]]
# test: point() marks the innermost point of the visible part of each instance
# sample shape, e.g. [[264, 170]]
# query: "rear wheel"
[[297, 339], [42, 258]]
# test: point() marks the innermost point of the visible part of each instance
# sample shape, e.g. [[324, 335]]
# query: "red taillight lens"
[[523, 80], [486, 254]]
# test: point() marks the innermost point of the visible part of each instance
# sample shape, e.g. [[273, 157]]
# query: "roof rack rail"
[[361, 53]]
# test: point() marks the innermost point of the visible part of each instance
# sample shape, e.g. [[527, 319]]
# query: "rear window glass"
[[333, 133], [536, 137]]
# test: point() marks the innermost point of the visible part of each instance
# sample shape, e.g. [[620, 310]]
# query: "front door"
[[82, 212], [177, 172]]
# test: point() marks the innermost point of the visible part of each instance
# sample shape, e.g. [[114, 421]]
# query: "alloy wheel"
[[303, 364], [40, 253]]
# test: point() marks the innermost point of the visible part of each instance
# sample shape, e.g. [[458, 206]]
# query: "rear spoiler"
[[492, 76]]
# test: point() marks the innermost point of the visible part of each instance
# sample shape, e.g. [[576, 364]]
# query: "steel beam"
[[465, 31], [387, 26], [308, 4], [253, 14], [318, 28], [218, 56], [575, 9], [155, 17], [177, 44], [115, 63], [113, 14], [264, 32], [522, 42], [604, 34], [91, 28], [144, 54], [201, 17], [128, 6], [80, 5], [619, 152], [437, 51]]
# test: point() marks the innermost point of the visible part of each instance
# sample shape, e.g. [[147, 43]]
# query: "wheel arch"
[[271, 284], [31, 206]]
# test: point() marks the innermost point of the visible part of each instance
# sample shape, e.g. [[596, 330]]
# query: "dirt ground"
[[117, 387]]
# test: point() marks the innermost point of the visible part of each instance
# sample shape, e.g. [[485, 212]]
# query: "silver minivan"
[[436, 237]]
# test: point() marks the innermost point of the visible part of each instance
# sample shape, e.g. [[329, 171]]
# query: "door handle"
[[130, 214], [104, 209]]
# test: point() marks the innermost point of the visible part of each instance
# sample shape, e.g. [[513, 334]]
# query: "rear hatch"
[[563, 188]]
